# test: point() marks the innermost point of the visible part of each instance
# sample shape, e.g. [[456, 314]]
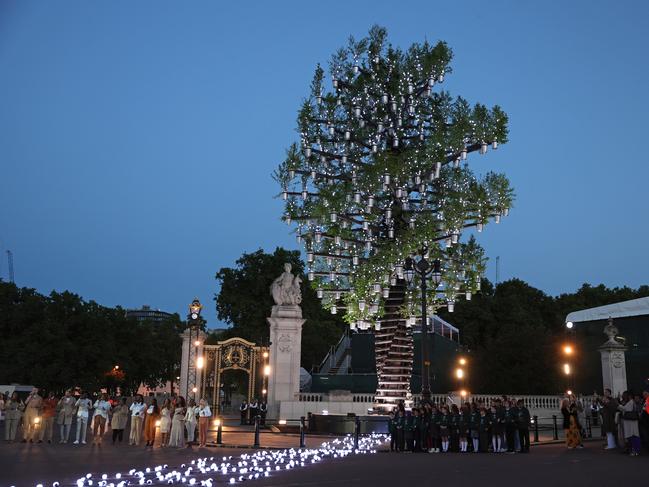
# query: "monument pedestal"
[[285, 349], [613, 367], [613, 361]]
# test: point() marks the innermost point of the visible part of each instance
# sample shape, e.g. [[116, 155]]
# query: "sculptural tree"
[[381, 174]]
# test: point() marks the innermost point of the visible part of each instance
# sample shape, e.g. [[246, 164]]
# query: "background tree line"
[[60, 340], [512, 332]]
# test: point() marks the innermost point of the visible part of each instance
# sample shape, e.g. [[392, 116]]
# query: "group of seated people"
[[471, 427]]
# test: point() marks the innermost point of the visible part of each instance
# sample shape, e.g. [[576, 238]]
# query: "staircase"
[[394, 353], [338, 360]]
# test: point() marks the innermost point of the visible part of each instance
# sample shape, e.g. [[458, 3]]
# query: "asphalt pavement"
[[547, 465]]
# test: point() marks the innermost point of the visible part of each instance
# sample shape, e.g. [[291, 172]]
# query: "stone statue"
[[286, 288], [611, 332]]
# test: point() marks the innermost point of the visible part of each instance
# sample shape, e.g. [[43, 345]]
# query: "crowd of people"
[[504, 425], [176, 420], [470, 427], [624, 420]]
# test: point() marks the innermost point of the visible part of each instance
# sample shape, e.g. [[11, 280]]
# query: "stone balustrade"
[[344, 402]]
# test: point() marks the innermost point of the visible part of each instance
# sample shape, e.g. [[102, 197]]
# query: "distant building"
[[148, 314]]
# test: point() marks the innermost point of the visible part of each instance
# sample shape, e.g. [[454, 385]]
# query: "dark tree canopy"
[[513, 333], [244, 301], [59, 341]]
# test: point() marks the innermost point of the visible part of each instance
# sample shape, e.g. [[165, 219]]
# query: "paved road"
[[547, 465]]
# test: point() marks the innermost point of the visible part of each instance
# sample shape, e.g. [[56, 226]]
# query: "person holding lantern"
[[31, 418]]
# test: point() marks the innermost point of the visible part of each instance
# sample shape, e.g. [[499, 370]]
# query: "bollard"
[[302, 428], [555, 429], [357, 431], [536, 429], [219, 433], [589, 429], [256, 445]]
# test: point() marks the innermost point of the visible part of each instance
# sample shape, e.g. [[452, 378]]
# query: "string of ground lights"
[[213, 471]]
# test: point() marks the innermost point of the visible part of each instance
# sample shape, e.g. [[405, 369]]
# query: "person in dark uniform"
[[416, 430], [484, 427], [474, 423], [424, 427], [399, 425], [243, 410], [435, 438], [254, 410], [392, 429], [524, 427], [510, 418], [408, 430], [263, 410], [444, 428], [454, 429], [497, 428], [463, 427]]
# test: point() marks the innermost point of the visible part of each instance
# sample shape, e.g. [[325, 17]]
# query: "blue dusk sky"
[[138, 138]]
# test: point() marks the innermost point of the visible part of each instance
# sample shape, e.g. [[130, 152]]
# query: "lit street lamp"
[[194, 323], [425, 271]]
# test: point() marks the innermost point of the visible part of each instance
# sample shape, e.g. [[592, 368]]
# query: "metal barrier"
[[547, 425]]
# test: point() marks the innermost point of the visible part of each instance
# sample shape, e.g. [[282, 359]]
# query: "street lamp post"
[[424, 269], [194, 322]]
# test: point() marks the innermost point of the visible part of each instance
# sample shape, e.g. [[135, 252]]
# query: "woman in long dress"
[[190, 421], [629, 420], [177, 435], [165, 423]]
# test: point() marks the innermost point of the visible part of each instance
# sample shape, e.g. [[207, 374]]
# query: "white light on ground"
[[248, 466]]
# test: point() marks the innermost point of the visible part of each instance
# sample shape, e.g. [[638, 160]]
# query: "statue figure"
[[286, 288], [611, 331]]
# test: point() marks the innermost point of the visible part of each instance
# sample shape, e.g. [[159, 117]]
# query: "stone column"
[[188, 362], [613, 361], [284, 356]]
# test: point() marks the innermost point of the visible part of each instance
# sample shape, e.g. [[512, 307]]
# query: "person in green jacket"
[[474, 422], [510, 418], [408, 433], [416, 429], [484, 429], [392, 429], [444, 428], [399, 425]]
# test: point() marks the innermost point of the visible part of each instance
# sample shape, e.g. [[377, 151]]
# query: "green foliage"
[[380, 174], [59, 341], [245, 302], [513, 333]]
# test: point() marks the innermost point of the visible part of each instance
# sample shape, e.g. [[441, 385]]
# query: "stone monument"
[[613, 361], [285, 340]]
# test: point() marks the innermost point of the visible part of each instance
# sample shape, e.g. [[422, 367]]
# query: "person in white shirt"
[[204, 415], [190, 421], [137, 416], [99, 419], [83, 406]]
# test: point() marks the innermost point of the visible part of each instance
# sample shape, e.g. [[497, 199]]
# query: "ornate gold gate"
[[230, 354]]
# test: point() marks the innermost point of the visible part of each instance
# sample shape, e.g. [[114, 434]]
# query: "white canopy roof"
[[633, 307]]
